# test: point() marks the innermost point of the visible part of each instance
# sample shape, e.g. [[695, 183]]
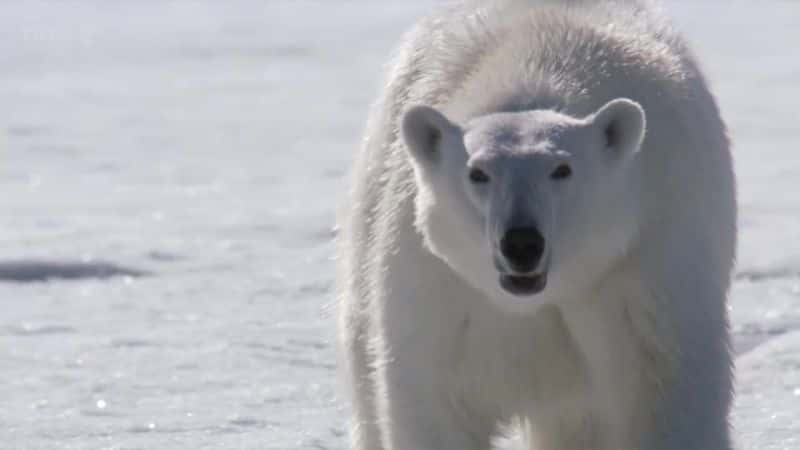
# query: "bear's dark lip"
[[523, 284]]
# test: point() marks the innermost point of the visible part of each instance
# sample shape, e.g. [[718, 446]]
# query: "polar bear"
[[540, 234]]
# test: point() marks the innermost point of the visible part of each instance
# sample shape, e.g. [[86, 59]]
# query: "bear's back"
[[521, 54]]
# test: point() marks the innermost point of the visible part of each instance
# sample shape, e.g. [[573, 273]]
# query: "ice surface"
[[203, 144]]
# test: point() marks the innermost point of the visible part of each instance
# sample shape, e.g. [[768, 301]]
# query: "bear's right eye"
[[563, 171], [478, 176]]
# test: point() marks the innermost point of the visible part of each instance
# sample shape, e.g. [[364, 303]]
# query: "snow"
[[170, 172]]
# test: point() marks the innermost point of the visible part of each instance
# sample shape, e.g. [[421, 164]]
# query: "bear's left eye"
[[563, 171], [478, 176]]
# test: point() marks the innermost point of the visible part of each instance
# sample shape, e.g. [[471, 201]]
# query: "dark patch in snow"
[[131, 343], [752, 336], [323, 234], [304, 343], [26, 130], [162, 256], [755, 276], [251, 422], [266, 228], [309, 364], [334, 173], [29, 271], [27, 329], [313, 289]]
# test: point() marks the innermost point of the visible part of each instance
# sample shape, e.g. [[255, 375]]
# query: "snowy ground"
[[196, 152]]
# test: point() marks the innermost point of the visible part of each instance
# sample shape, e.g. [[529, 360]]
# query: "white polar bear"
[[548, 242]]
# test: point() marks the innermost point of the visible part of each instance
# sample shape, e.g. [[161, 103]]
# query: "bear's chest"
[[514, 365]]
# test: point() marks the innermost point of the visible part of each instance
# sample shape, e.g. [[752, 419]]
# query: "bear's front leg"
[[694, 414], [360, 376], [418, 412]]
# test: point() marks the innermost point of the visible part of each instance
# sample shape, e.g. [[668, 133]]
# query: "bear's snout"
[[522, 248]]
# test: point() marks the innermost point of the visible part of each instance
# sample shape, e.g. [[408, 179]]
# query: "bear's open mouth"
[[523, 284]]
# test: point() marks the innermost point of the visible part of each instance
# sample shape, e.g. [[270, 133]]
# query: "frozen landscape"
[[169, 173]]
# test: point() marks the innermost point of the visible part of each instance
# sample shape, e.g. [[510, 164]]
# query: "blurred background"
[[169, 172]]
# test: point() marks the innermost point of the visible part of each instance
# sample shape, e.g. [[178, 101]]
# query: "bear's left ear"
[[424, 131], [622, 122]]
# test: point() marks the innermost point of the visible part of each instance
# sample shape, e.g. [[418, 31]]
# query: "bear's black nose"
[[522, 248]]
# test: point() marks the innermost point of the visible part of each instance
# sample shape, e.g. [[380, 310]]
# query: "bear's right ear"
[[622, 122], [424, 129]]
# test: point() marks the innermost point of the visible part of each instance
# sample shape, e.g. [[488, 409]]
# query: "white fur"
[[626, 347]]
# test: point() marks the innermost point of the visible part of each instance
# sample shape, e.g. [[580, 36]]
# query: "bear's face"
[[528, 207]]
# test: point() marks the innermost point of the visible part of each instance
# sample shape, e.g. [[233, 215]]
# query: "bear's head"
[[528, 207]]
